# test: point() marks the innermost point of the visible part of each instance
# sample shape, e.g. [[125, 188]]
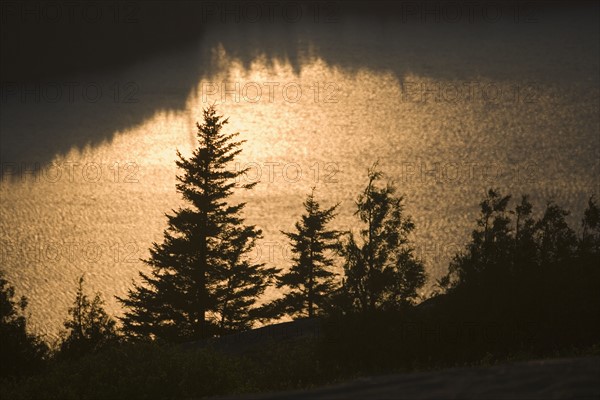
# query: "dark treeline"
[[523, 287]]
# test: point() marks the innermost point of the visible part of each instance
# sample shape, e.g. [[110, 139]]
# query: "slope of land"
[[540, 379]]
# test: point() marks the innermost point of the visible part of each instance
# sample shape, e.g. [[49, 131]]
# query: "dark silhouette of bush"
[[532, 274], [381, 270], [89, 328], [524, 287], [134, 371], [21, 353]]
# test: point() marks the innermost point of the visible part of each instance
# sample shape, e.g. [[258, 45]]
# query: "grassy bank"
[[421, 338]]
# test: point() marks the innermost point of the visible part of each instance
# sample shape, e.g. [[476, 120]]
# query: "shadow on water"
[[68, 83], [73, 75], [523, 42]]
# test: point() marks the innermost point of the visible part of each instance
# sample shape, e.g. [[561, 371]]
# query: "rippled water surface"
[[448, 110]]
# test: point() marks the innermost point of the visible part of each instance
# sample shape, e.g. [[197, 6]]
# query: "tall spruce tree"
[[310, 280], [381, 270], [202, 282]]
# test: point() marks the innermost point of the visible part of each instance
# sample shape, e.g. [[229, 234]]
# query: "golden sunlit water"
[[523, 121]]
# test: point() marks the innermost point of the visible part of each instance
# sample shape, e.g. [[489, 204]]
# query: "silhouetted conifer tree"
[[381, 270], [202, 283], [310, 280], [89, 327]]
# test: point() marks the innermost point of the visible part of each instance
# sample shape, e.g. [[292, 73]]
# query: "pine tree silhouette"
[[202, 282], [310, 280]]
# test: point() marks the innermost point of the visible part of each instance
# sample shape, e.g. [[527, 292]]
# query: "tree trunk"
[[310, 283]]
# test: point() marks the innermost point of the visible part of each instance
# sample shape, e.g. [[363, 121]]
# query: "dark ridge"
[[46, 39]]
